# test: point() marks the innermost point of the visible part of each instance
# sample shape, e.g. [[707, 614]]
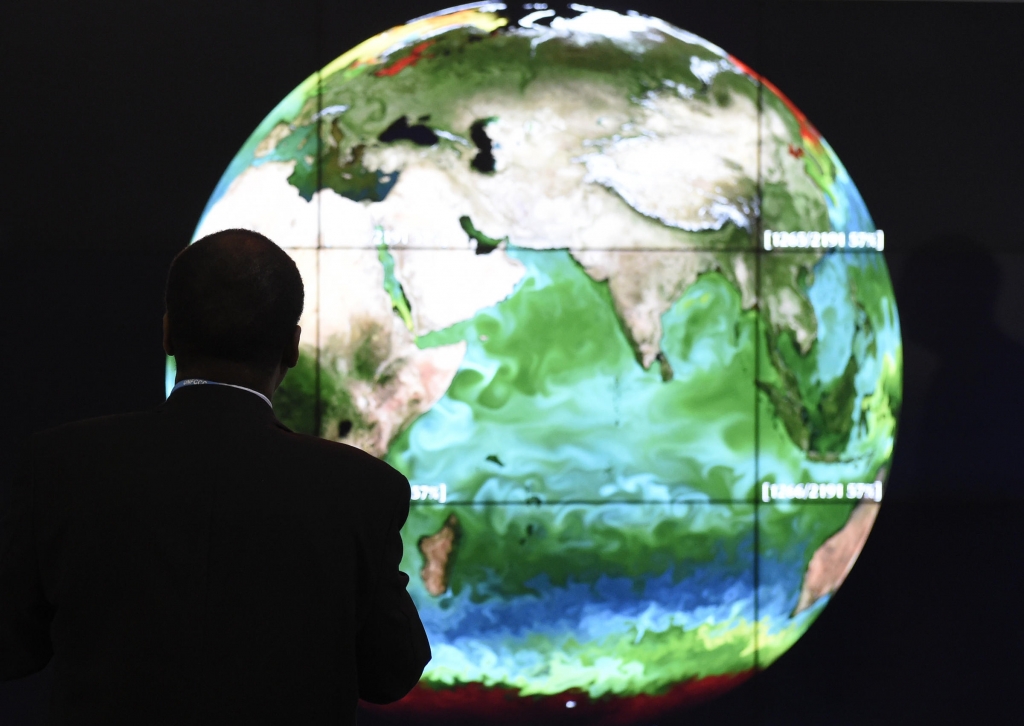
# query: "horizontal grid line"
[[689, 250], [694, 250], [637, 502]]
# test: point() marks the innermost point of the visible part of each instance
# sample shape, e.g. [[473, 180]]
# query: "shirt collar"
[[203, 382]]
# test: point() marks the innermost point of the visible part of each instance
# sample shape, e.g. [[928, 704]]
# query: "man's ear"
[[291, 353], [168, 348]]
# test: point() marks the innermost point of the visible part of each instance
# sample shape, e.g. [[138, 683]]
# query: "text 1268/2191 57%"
[[813, 490]]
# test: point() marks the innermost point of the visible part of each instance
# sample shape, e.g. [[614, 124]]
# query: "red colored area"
[[402, 63], [795, 151], [809, 134], [476, 704]]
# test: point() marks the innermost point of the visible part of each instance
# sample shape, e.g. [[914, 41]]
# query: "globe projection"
[[615, 308]]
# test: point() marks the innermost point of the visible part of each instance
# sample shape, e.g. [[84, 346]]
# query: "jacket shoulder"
[[116, 427], [337, 455]]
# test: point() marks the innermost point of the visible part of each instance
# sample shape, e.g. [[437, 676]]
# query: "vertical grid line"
[[317, 52], [757, 346]]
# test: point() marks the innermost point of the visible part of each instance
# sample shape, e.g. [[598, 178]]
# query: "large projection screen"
[[614, 306]]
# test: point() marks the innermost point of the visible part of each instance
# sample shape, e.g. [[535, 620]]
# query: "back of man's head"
[[233, 296]]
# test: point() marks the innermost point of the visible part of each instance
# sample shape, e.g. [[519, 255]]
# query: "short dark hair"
[[233, 295]]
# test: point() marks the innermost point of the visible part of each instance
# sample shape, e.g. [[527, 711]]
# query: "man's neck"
[[222, 371]]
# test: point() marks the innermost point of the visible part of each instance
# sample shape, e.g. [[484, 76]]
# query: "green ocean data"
[[617, 311]]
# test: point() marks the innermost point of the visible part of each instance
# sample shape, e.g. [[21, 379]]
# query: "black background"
[[118, 118]]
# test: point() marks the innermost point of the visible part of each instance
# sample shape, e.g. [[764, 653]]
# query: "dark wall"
[[119, 117]]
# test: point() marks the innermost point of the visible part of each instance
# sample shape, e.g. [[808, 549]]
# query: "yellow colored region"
[[371, 51]]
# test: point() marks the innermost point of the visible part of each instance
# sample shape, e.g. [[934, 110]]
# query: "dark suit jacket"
[[202, 564]]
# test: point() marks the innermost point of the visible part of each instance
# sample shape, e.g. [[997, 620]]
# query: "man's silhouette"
[[200, 563]]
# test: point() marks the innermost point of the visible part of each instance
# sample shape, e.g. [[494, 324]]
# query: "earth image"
[[615, 308]]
